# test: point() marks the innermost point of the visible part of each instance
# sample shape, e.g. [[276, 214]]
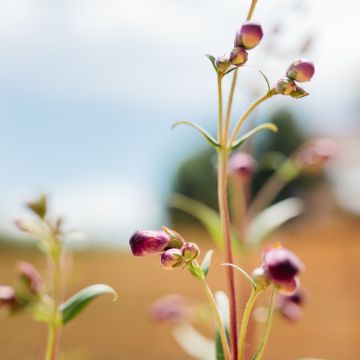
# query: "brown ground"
[[329, 246]]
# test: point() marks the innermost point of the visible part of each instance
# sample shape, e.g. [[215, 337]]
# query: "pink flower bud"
[[7, 296], [301, 70], [190, 251], [290, 306], [249, 35], [282, 265], [171, 259], [147, 242], [222, 63], [242, 166], [285, 86], [30, 279], [238, 56], [288, 287]]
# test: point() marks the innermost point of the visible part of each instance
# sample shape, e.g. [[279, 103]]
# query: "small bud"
[[281, 265], [288, 288], [299, 93], [171, 259], [301, 70], [30, 279], [7, 296], [147, 242], [260, 278], [39, 206], [176, 240], [249, 35], [190, 251], [242, 165], [222, 63], [285, 86], [238, 56]]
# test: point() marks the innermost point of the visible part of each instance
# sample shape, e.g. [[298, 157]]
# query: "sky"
[[90, 88]]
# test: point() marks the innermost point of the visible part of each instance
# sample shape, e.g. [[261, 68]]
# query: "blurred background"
[[89, 90]]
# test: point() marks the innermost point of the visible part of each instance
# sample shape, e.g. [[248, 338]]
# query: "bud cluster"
[[174, 251], [248, 37], [280, 267], [301, 70]]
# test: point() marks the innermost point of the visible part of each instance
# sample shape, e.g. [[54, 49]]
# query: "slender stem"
[[218, 319], [251, 11], [265, 337], [245, 321], [223, 156], [252, 107], [220, 97], [229, 106]]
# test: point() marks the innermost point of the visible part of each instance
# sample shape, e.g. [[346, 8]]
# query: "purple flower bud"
[[176, 240], [260, 278], [249, 35], [171, 259], [288, 287], [30, 279], [7, 296], [299, 93], [285, 86], [281, 265], [242, 165], [222, 63], [290, 306], [147, 242], [238, 56], [190, 251], [301, 70]]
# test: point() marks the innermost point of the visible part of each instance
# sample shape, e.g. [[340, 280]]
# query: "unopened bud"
[[299, 93], [171, 259], [190, 251], [7, 296], [249, 35], [147, 242], [39, 206], [238, 56], [260, 278], [285, 86], [222, 63], [301, 70], [30, 279], [176, 240], [242, 165]]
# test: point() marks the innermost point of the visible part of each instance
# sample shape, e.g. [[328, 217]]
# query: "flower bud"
[[147, 242], [39, 206], [7, 296], [260, 278], [222, 63], [30, 280], [242, 165], [290, 306], [281, 265], [288, 288], [285, 86], [176, 240], [190, 251], [171, 259], [301, 70], [238, 56], [249, 35], [299, 93]]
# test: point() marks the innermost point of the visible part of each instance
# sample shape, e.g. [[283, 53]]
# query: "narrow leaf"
[[77, 303], [205, 265], [231, 70], [265, 78], [212, 60], [223, 306], [266, 126], [196, 271], [206, 135], [247, 276], [271, 219]]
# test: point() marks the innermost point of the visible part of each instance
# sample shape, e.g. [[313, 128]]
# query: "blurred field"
[[329, 245]]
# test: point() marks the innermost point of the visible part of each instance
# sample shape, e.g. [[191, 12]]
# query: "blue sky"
[[90, 88]]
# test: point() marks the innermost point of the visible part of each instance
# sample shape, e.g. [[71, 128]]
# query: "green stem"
[[265, 337], [220, 97], [218, 319], [245, 322], [252, 107], [229, 106], [251, 11]]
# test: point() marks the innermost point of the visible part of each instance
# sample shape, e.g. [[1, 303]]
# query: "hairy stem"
[[245, 322], [226, 233], [229, 106], [220, 99]]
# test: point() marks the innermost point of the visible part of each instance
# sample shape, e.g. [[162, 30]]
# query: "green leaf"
[[206, 135], [195, 271], [205, 265], [265, 78], [77, 303], [266, 126], [208, 217], [223, 306], [271, 219], [231, 70], [212, 60], [247, 276]]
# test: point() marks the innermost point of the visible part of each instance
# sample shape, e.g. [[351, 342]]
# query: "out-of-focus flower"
[[249, 35], [29, 278], [290, 306], [172, 258], [301, 70], [148, 242], [238, 56], [242, 165], [190, 251], [7, 296], [171, 309], [285, 86], [222, 63]]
